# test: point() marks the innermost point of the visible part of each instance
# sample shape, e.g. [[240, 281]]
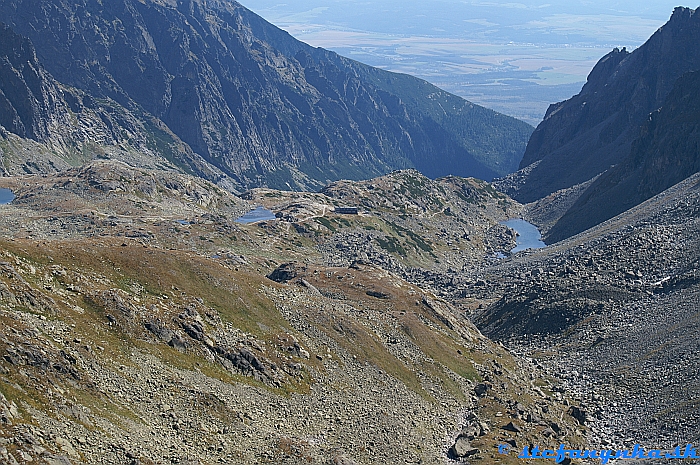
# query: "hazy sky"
[[513, 56], [591, 22]]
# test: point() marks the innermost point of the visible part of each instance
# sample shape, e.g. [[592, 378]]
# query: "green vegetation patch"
[[325, 222], [418, 241], [391, 245]]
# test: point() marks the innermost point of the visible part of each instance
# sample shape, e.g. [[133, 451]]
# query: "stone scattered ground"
[[139, 325], [614, 311], [142, 324]]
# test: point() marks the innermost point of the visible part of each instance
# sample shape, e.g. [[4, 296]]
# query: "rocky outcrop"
[[587, 134], [250, 100]]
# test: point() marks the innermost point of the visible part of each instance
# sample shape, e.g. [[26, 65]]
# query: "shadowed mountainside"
[[667, 152], [256, 104], [46, 126], [585, 135]]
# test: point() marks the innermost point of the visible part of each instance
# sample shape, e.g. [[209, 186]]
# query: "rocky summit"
[[624, 138]]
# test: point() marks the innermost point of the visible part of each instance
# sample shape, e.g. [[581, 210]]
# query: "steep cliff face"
[[30, 101], [259, 105], [49, 126], [667, 152], [585, 135]]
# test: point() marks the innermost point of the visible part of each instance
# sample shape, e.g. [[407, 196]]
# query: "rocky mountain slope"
[[252, 105], [667, 152], [587, 134], [142, 323], [46, 126], [28, 91], [614, 310], [138, 326]]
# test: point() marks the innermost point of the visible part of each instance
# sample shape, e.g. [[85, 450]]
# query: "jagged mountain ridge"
[[257, 104], [583, 136], [667, 152]]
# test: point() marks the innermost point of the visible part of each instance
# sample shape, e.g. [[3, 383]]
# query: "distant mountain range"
[[634, 123], [213, 89]]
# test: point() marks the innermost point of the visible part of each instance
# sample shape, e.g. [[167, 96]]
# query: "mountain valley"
[[378, 314], [143, 328], [230, 98]]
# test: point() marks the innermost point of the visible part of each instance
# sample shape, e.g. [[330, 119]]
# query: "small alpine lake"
[[529, 236], [6, 196], [259, 214]]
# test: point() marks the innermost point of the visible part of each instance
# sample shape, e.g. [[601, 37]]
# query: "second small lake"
[[6, 196], [529, 236], [259, 214]]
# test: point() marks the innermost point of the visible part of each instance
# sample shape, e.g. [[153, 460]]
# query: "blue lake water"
[[6, 196], [529, 236], [259, 214]]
